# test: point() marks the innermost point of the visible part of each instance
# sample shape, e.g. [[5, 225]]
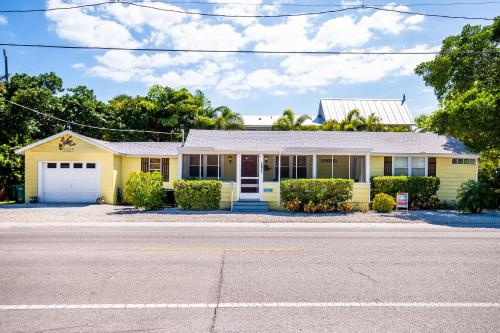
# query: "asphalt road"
[[179, 279]]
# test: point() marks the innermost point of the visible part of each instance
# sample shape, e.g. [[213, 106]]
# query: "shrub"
[[198, 194], [145, 190], [310, 207], [474, 196], [345, 207], [383, 203], [323, 194], [422, 190], [293, 205]]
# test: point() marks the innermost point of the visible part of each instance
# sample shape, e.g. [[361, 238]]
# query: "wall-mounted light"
[[230, 158], [266, 158]]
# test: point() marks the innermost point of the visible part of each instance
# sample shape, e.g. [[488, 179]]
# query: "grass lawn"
[[7, 202]]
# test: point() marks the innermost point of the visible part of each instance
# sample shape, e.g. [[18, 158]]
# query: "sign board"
[[402, 199], [268, 190]]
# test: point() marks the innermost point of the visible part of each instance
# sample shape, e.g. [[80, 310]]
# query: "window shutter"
[[165, 169], [387, 166], [431, 166], [145, 164]]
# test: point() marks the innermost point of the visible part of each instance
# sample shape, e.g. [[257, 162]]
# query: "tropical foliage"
[[162, 109], [383, 203], [289, 122], [145, 190], [468, 89], [474, 197], [198, 194]]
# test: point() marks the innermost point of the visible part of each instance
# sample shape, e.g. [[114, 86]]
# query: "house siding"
[[452, 176], [82, 152]]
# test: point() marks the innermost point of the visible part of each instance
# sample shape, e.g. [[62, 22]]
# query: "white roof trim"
[[21, 151]]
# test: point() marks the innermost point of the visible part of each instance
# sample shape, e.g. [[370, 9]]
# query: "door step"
[[250, 206]]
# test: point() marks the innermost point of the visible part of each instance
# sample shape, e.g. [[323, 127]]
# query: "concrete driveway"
[[235, 278]]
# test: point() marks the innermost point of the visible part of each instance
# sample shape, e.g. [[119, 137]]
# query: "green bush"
[[474, 196], [145, 190], [422, 190], [312, 195], [198, 194], [383, 203]]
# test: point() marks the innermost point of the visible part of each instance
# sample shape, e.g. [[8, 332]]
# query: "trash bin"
[[169, 198], [19, 193]]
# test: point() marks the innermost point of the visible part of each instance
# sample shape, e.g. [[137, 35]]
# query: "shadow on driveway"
[[456, 219]]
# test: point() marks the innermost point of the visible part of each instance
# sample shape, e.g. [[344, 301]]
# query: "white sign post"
[[402, 199]]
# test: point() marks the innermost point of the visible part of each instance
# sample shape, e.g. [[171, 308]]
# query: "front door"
[[250, 181]]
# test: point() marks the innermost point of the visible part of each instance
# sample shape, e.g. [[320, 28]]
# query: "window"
[[212, 165], [418, 166], [154, 164], [77, 165], [90, 165], [194, 166], [400, 166], [299, 167], [64, 165], [51, 165], [358, 168], [285, 167], [463, 161]]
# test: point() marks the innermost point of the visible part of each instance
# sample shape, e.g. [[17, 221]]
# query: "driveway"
[[110, 213], [285, 278]]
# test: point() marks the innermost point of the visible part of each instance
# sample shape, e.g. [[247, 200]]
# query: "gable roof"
[[377, 143], [390, 111], [118, 148]]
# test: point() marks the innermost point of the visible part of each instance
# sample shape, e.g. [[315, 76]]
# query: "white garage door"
[[69, 182]]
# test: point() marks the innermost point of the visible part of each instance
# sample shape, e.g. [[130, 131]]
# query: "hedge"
[[422, 190], [314, 195], [145, 190], [198, 194]]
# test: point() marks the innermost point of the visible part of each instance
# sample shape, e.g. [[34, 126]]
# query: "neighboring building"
[[259, 123], [389, 111], [68, 167]]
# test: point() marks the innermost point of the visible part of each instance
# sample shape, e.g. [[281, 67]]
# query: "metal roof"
[[289, 141], [390, 111]]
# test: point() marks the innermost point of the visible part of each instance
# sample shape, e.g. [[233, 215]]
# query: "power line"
[[109, 48], [85, 125], [186, 12]]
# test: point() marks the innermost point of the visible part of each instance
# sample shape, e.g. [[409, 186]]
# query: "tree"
[[467, 87], [354, 121], [288, 122]]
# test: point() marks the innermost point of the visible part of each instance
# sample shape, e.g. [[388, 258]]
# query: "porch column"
[[368, 176], [279, 180], [180, 166], [315, 166], [261, 175], [238, 175]]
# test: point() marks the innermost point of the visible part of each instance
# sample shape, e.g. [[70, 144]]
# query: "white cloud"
[[3, 20], [79, 26], [78, 65]]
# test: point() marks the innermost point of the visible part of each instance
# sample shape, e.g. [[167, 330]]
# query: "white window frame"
[[149, 164], [409, 157]]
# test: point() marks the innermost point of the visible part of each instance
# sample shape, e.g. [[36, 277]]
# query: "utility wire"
[[109, 48], [85, 125], [186, 12]]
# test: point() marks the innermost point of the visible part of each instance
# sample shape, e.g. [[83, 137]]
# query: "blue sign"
[[268, 190]]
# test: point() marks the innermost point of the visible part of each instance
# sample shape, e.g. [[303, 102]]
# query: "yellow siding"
[[225, 200], [229, 168], [129, 165], [360, 195], [80, 152], [172, 174], [376, 166], [452, 176], [272, 198]]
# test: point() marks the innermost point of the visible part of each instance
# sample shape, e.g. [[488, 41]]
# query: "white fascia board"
[[429, 154], [153, 156]]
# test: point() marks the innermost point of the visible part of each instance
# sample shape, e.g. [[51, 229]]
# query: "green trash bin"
[[19, 193]]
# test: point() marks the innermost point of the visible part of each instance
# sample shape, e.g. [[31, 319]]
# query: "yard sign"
[[402, 200]]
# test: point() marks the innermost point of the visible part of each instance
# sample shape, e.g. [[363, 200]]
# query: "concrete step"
[[250, 206]]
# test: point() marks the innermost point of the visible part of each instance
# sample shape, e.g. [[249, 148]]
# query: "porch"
[[257, 176]]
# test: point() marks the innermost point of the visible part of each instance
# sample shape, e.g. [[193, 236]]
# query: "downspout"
[[279, 180]]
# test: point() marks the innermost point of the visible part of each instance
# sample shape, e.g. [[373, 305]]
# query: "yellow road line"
[[272, 249]]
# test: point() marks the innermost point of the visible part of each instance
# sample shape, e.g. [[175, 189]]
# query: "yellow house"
[[69, 167]]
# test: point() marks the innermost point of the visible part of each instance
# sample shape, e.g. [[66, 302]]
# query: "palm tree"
[[354, 121], [227, 120], [288, 122]]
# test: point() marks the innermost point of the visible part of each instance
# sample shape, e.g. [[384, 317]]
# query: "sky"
[[247, 83]]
